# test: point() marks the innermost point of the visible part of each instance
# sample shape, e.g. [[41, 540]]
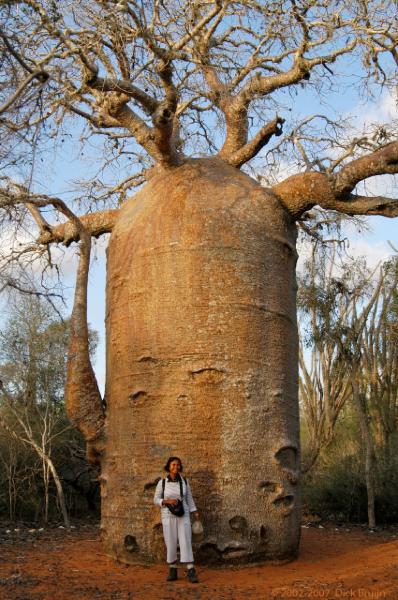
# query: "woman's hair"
[[170, 460]]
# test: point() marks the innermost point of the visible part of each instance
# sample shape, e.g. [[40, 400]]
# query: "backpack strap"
[[181, 490], [163, 486]]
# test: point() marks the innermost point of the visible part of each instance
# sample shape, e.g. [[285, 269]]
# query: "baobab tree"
[[201, 308]]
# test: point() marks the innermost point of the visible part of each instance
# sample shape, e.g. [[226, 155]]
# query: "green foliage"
[[33, 352], [324, 294], [335, 489], [19, 497]]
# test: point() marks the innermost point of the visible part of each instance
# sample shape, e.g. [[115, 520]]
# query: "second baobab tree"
[[201, 290]]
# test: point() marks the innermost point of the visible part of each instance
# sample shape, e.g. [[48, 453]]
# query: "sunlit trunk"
[[202, 363]]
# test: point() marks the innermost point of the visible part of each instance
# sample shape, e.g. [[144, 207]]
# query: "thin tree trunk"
[[11, 488], [46, 486], [57, 481], [60, 491], [387, 447], [366, 439]]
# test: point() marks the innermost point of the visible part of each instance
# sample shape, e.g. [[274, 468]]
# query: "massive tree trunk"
[[202, 363]]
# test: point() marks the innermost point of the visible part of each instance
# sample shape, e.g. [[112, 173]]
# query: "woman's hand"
[[196, 515], [170, 502]]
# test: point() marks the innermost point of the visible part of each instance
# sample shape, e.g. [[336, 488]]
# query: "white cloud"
[[382, 111], [374, 253]]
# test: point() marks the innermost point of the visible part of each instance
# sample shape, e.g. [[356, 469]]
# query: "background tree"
[[324, 385], [350, 316], [201, 263], [362, 378], [33, 347], [379, 363], [32, 387]]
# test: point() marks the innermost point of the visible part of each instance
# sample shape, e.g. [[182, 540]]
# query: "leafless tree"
[[25, 433]]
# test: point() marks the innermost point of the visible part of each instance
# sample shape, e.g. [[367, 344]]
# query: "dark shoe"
[[192, 575], [172, 574]]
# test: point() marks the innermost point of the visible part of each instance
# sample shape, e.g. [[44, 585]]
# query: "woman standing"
[[176, 528]]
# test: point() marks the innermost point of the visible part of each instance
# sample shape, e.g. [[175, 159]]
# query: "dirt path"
[[333, 563]]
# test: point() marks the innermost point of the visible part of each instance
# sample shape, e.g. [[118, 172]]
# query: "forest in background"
[[348, 317], [44, 474], [349, 388]]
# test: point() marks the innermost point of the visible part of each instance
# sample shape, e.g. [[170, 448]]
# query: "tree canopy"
[[158, 82]]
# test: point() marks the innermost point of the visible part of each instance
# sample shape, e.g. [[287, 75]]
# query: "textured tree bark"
[[82, 397], [202, 363]]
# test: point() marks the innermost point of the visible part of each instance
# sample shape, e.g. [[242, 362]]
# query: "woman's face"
[[174, 467]]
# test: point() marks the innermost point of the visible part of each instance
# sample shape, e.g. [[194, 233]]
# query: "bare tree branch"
[[40, 75], [300, 192], [262, 137], [102, 84], [363, 205], [167, 77], [96, 224], [381, 162]]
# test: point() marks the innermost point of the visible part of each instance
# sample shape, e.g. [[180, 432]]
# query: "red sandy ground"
[[56, 564]]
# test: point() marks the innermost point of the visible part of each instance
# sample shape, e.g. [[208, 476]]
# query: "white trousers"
[[178, 529]]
